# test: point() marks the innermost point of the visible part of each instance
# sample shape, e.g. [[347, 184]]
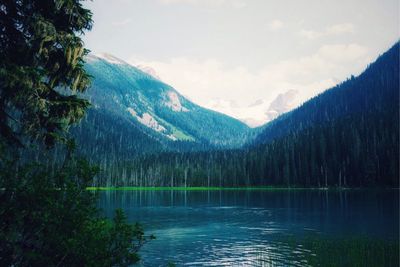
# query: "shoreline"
[[204, 188]]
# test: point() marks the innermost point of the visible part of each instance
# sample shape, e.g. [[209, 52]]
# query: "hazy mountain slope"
[[347, 136], [133, 113], [158, 109]]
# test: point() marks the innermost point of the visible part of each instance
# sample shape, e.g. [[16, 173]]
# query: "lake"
[[263, 228]]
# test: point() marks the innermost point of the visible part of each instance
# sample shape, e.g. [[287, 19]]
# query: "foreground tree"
[[50, 219], [41, 53]]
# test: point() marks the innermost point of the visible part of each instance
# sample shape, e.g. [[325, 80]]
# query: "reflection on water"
[[246, 228]]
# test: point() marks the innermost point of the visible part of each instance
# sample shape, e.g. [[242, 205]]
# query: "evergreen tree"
[[41, 54], [49, 218]]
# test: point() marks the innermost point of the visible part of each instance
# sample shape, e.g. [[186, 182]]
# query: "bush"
[[52, 220]]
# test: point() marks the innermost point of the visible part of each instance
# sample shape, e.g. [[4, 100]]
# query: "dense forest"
[[344, 137]]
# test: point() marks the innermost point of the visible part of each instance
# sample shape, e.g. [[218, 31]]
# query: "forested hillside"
[[122, 94], [347, 136], [133, 113]]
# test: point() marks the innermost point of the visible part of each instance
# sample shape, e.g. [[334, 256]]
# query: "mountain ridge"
[[345, 137], [135, 114]]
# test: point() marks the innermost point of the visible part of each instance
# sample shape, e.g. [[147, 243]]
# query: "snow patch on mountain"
[[147, 120], [132, 112], [174, 103], [282, 103], [250, 114], [172, 137]]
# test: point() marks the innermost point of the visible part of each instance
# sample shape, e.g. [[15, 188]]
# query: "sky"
[[250, 59]]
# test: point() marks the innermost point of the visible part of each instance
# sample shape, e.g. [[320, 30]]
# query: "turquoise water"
[[252, 228]]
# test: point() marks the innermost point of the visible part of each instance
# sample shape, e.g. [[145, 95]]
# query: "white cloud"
[[211, 84], [336, 29], [275, 25]]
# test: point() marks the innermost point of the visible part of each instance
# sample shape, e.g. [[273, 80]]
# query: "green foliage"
[[52, 220], [40, 54]]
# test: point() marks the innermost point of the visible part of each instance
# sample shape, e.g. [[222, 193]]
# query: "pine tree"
[[49, 218], [41, 68]]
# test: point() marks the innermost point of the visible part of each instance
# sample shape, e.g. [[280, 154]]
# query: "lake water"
[[252, 228]]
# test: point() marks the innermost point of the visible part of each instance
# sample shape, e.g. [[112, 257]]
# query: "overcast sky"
[[228, 54]]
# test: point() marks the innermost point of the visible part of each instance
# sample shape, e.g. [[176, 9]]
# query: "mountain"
[[260, 111], [347, 136], [281, 104], [134, 113], [374, 91]]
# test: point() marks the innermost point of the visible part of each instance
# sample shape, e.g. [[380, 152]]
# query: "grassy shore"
[[205, 188], [193, 188]]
